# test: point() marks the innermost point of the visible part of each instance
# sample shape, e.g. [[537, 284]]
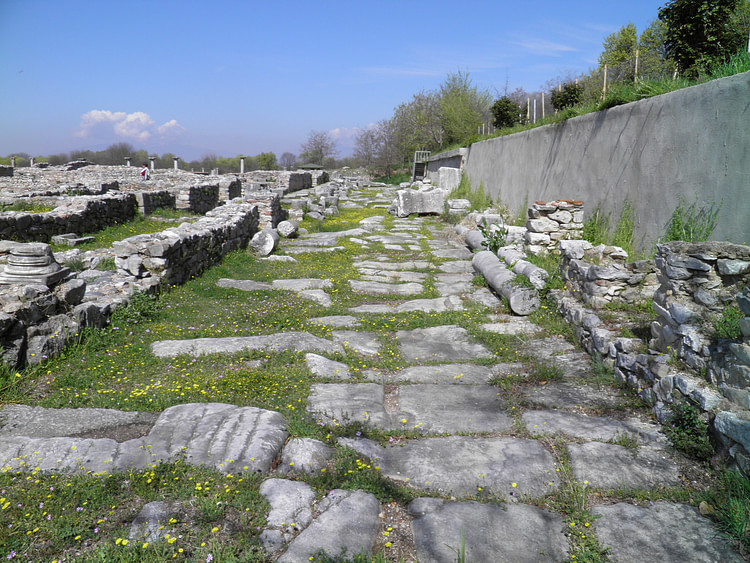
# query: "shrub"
[[688, 433], [506, 112], [728, 324], [569, 95], [691, 223]]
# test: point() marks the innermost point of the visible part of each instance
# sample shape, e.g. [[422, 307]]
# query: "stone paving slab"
[[465, 374], [563, 395], [342, 403], [347, 520], [244, 285], [363, 343], [381, 288], [317, 249], [302, 284], [373, 274], [663, 532], [336, 321], [317, 295], [225, 437], [298, 341], [548, 422], [458, 465], [514, 326], [454, 284], [457, 267], [323, 367], [451, 409], [386, 264], [39, 422], [436, 305], [441, 343], [609, 466], [516, 533], [455, 253]]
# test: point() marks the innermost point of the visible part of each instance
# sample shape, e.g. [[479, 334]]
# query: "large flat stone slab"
[[436, 305], [609, 466], [663, 532], [440, 343], [451, 409], [457, 267], [323, 367], [454, 284], [363, 343], [342, 403], [548, 422], [459, 465], [387, 265], [302, 284], [336, 321], [347, 520], [297, 341], [39, 422], [463, 374], [244, 285], [381, 288], [221, 436], [516, 532], [564, 395]]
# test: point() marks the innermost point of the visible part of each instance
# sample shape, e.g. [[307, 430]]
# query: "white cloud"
[[170, 129], [544, 47], [105, 124], [344, 133]]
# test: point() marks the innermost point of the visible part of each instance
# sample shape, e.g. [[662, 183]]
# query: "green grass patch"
[[27, 206]]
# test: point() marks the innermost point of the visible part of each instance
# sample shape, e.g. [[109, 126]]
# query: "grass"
[[478, 198], [114, 368], [27, 206], [692, 223]]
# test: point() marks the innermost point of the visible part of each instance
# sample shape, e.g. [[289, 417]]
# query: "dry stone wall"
[[552, 221]]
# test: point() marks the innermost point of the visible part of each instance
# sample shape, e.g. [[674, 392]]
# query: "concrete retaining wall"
[[689, 143]]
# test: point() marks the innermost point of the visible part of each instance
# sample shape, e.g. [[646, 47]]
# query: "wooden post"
[[635, 78], [604, 89], [528, 108], [542, 105]]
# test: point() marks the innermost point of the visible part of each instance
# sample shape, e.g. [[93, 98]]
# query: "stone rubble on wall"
[[319, 202], [148, 201], [599, 275], [550, 222], [197, 199]]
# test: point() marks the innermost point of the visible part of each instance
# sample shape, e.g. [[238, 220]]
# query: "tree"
[[652, 58], [699, 33], [619, 53], [266, 161], [506, 112], [417, 125], [287, 160], [318, 147], [569, 95], [388, 154], [366, 146], [463, 107]]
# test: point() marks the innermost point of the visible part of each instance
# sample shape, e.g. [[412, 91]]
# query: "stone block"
[[732, 267], [542, 225]]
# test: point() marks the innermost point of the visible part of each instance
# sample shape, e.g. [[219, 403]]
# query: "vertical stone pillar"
[[176, 160], [13, 161], [127, 161], [152, 159], [242, 164], [31, 161]]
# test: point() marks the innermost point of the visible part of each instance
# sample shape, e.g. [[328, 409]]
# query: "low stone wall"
[[684, 361], [319, 177], [149, 201], [598, 275], [270, 212], [177, 254], [294, 181], [230, 187], [198, 199], [698, 281], [79, 215]]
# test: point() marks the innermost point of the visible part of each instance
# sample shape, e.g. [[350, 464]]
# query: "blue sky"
[[234, 77]]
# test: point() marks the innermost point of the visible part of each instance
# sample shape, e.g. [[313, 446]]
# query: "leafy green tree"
[[366, 147], [652, 59], [464, 107], [619, 53], [266, 161], [569, 95], [506, 112], [699, 33], [416, 125], [318, 147]]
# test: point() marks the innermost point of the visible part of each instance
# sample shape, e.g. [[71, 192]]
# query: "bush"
[[728, 324], [506, 112], [570, 95], [688, 433], [692, 223]]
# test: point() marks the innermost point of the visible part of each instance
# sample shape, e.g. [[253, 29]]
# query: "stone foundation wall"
[[270, 212], [177, 254], [598, 275], [79, 215], [229, 188], [198, 199], [684, 361], [149, 201]]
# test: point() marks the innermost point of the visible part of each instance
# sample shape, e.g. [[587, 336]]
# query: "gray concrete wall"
[[450, 159], [691, 143]]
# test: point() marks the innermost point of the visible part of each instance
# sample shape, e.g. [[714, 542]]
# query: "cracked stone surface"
[[440, 343]]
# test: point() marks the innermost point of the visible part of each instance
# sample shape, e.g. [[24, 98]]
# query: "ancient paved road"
[[470, 438]]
